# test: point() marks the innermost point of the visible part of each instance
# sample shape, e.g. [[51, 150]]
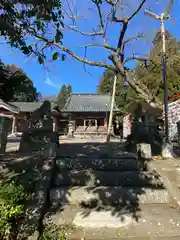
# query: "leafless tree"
[[107, 12]]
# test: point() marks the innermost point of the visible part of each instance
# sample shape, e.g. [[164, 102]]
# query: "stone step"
[[107, 178], [147, 222], [108, 196], [110, 164], [94, 149]]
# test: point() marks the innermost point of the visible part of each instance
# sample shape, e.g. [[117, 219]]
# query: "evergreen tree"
[[69, 90], [4, 76], [64, 93], [15, 85], [152, 76], [124, 95]]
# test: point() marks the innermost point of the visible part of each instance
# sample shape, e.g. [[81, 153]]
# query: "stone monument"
[[39, 132]]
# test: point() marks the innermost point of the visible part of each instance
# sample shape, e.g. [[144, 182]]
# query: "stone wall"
[[174, 118]]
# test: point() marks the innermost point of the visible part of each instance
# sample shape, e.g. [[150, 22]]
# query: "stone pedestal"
[[144, 150]]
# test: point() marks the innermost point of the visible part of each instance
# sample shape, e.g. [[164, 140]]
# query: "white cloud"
[[48, 80], [50, 83]]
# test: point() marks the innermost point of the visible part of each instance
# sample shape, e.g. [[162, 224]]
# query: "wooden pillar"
[[13, 125]]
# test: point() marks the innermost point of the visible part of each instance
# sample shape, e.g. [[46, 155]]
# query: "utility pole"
[[111, 110], [162, 18]]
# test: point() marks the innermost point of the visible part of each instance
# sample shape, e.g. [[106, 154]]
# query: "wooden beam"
[[6, 115]]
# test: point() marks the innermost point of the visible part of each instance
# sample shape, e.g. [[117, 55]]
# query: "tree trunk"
[[143, 92], [138, 87]]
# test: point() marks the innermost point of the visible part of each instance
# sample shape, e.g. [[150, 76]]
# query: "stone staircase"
[[105, 196], [90, 131]]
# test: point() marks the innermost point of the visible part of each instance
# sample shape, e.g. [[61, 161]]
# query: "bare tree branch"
[[117, 59], [71, 13], [137, 86], [128, 19], [73, 54], [84, 64], [121, 37], [125, 23], [92, 34], [137, 58], [139, 35], [137, 10], [80, 59], [141, 88], [95, 45], [111, 2], [125, 43], [100, 17]]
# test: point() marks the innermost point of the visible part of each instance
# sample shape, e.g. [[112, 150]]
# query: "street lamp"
[[164, 16]]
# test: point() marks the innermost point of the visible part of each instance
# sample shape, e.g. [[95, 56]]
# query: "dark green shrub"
[[12, 205]]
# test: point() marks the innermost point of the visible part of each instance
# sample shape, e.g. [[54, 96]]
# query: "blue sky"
[[49, 79]]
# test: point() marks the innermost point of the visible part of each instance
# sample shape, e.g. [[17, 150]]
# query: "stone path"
[[148, 222], [170, 172], [101, 192]]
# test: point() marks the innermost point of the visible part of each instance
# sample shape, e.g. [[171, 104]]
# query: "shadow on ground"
[[112, 149], [101, 168], [97, 168]]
